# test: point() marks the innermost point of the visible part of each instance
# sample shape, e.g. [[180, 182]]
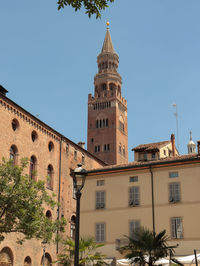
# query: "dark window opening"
[[48, 214], [33, 161], [13, 154], [34, 135], [103, 86], [50, 177], [15, 124], [51, 146]]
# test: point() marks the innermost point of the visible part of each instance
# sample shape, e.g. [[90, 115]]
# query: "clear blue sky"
[[48, 62]]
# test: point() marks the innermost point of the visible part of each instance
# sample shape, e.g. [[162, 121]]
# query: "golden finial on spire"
[[107, 23]]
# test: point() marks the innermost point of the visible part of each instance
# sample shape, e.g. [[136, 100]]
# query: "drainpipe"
[[152, 198], [59, 187]]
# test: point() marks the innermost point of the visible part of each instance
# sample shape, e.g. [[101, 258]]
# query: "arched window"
[[50, 177], [48, 214], [112, 86], [72, 227], [47, 261], [15, 124], [121, 123], [120, 148], [13, 154], [33, 161], [34, 135], [27, 261], [124, 152], [97, 123], [51, 146], [6, 257], [103, 86]]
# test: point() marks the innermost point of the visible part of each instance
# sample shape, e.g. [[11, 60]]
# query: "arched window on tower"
[[50, 177], [13, 154], [120, 148], [112, 86], [103, 86], [123, 151], [33, 161], [121, 123]]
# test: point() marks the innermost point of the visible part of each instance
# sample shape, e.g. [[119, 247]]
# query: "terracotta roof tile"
[[135, 164], [151, 146]]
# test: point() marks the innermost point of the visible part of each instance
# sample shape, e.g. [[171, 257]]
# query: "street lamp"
[[44, 248], [78, 175]]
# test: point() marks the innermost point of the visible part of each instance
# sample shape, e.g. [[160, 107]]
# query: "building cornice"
[[40, 125], [135, 166]]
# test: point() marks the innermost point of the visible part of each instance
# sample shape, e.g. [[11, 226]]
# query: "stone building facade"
[[50, 154], [157, 194]]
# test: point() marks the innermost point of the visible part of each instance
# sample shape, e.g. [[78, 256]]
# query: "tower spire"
[[191, 145], [107, 45]]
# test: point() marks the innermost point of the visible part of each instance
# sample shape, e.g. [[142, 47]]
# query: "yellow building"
[[157, 194]]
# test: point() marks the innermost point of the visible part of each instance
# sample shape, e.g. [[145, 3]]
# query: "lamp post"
[[44, 249], [78, 175]]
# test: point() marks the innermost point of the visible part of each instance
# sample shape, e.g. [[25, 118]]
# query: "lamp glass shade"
[[79, 176]]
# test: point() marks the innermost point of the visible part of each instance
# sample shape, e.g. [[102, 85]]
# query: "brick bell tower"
[[107, 136]]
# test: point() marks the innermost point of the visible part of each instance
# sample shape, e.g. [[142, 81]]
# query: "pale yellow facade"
[[117, 213]]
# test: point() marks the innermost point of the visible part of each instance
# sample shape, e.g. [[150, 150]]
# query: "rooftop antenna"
[[176, 115]]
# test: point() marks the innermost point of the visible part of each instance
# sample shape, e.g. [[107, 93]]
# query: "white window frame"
[[100, 199], [100, 232], [134, 225], [100, 182], [173, 174], [134, 196], [174, 192], [177, 227]]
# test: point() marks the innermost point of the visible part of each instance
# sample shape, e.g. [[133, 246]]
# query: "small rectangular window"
[[100, 232], [176, 227], [133, 179], [173, 174], [153, 155], [100, 183], [100, 199], [174, 192], [134, 198], [134, 225], [75, 155], [83, 158]]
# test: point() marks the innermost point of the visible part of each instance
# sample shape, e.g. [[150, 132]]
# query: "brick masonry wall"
[[21, 138]]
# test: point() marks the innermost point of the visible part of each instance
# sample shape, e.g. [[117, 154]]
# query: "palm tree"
[[87, 252], [146, 247]]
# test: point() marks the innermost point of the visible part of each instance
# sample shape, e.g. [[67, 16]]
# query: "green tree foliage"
[[22, 204], [87, 252], [91, 6], [146, 247]]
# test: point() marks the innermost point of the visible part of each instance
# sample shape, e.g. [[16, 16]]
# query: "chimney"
[[3, 90], [198, 147], [173, 145], [81, 144]]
